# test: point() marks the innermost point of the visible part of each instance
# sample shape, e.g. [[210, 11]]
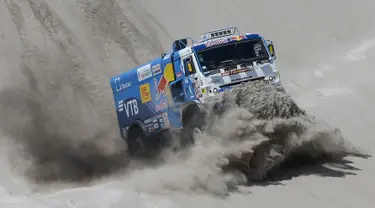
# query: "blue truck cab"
[[166, 93]]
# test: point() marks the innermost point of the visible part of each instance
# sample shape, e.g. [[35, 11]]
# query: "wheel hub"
[[197, 135]]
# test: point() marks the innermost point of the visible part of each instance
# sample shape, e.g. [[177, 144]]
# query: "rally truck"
[[169, 93]]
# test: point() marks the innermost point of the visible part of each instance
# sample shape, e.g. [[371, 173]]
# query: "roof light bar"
[[219, 33]]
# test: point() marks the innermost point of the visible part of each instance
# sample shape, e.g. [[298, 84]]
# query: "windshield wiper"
[[246, 60], [227, 61], [242, 61], [251, 60]]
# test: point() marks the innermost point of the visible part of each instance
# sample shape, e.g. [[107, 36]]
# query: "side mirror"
[[179, 44], [271, 48]]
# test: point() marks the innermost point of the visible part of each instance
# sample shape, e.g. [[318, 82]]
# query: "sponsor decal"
[[157, 121], [258, 50], [235, 71], [156, 125], [151, 128], [156, 69], [153, 119], [197, 90], [121, 86], [162, 125], [130, 107], [144, 72], [145, 93], [242, 78], [238, 38], [161, 86], [161, 106], [120, 106], [179, 74], [216, 42], [224, 74]]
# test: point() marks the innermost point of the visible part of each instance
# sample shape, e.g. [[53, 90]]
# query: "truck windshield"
[[233, 53]]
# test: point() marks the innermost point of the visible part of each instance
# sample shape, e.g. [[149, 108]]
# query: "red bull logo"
[[161, 86], [238, 38]]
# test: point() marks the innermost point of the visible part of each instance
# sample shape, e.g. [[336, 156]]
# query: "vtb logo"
[[130, 107]]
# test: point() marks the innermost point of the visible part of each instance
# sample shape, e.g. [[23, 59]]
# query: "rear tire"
[[136, 142]]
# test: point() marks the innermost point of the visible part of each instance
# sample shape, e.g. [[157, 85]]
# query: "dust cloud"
[[56, 104], [259, 130], [47, 136]]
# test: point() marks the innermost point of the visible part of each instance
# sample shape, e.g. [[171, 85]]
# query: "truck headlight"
[[215, 90], [270, 78]]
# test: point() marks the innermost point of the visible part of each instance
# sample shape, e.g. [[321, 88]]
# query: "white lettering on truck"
[[130, 107], [121, 86]]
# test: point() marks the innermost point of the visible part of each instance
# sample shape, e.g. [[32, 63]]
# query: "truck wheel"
[[136, 141], [197, 135], [193, 126]]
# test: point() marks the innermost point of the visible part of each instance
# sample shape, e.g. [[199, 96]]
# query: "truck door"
[[191, 83], [184, 89], [179, 98]]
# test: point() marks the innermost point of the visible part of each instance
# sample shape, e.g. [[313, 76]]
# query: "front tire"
[[193, 125], [197, 135]]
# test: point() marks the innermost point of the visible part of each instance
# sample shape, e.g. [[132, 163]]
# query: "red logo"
[[161, 106], [161, 87], [238, 38]]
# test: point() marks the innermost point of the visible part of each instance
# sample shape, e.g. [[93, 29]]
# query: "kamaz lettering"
[[240, 78], [216, 42], [158, 96]]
